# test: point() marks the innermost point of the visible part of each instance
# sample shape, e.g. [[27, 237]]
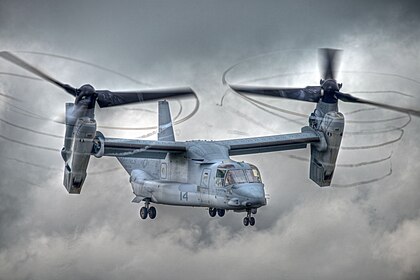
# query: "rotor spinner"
[[86, 91]]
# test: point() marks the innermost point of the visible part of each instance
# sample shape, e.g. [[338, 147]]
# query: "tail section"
[[166, 130], [165, 133]]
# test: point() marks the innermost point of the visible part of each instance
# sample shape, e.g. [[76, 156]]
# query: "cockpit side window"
[[220, 173], [220, 177]]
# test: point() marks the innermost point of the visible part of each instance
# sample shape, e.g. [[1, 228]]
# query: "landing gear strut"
[[249, 220], [147, 211]]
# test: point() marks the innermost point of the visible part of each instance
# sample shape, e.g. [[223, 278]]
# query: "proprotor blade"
[[352, 99], [20, 62], [309, 93], [329, 62], [108, 98]]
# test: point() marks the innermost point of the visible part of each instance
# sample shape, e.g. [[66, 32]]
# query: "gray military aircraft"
[[201, 173]]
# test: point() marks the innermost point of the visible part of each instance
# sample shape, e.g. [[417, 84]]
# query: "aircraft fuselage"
[[221, 184]]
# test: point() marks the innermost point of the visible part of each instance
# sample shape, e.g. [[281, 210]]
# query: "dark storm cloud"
[[369, 232]]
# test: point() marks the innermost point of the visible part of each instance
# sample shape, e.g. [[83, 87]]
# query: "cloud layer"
[[367, 232]]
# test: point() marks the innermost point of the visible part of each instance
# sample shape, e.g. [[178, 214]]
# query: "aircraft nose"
[[253, 192]]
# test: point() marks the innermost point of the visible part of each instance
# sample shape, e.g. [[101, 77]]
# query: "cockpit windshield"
[[253, 174], [229, 175], [235, 176]]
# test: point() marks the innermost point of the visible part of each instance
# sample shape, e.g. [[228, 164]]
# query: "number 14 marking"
[[183, 196]]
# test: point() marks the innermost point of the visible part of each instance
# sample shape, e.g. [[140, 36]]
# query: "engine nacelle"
[[324, 154], [75, 168]]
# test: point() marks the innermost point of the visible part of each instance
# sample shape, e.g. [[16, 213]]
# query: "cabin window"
[[205, 179], [163, 170]]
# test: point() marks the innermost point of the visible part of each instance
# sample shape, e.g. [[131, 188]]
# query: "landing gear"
[[249, 220], [212, 212], [221, 212], [152, 212], [147, 211], [143, 213], [215, 211]]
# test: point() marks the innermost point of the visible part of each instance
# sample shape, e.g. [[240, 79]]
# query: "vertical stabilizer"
[[166, 130]]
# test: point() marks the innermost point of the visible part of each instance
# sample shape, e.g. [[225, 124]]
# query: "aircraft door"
[[205, 186]]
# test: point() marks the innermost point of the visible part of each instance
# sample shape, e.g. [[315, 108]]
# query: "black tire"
[[246, 221], [212, 212], [143, 213], [152, 212], [221, 212], [252, 221]]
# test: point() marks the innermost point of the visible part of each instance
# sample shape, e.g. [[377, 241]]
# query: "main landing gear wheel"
[[221, 212], [246, 221], [143, 213], [212, 212], [251, 221], [152, 212]]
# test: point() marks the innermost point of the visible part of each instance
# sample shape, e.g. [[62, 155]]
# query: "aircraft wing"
[[158, 149], [141, 148], [271, 143]]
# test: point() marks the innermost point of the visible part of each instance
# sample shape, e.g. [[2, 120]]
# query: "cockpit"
[[237, 173]]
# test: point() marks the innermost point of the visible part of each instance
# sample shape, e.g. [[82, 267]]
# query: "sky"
[[367, 226]]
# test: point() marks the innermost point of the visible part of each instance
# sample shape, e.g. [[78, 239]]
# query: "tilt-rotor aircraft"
[[200, 173]]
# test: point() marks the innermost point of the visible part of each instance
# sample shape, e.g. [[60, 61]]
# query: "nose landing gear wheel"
[[152, 212], [143, 213], [212, 212], [251, 221], [221, 212]]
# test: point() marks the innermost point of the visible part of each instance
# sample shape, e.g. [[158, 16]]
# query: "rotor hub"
[[86, 92], [330, 85], [330, 88], [86, 89]]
